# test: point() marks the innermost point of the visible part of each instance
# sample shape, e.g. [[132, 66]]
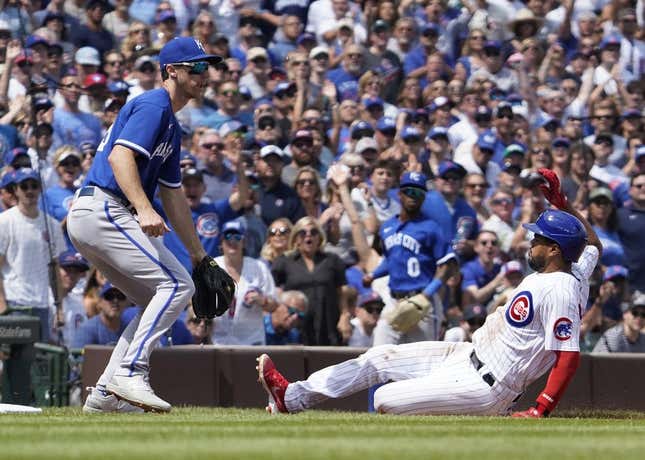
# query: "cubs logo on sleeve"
[[520, 312], [562, 329]]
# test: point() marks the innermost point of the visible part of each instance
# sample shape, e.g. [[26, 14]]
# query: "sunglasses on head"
[[279, 231], [195, 68], [413, 192], [114, 295], [233, 236], [29, 185], [295, 311], [303, 233]]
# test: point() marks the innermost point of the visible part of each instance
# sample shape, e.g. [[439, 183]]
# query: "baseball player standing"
[[412, 245], [113, 224], [535, 331]]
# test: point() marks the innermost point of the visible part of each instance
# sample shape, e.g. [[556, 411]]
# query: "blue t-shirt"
[[346, 83], [148, 126], [73, 128], [612, 249], [275, 338], [411, 250], [208, 220], [434, 207], [94, 332], [474, 274], [354, 277], [58, 200]]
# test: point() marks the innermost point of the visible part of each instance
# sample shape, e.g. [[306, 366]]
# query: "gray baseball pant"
[[109, 236]]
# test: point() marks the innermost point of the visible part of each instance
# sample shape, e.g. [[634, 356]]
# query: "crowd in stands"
[[325, 122]]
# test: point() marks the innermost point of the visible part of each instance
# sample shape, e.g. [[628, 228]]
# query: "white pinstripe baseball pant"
[[428, 378]]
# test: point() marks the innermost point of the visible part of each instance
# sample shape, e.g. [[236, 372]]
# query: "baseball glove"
[[214, 289], [408, 312], [551, 189]]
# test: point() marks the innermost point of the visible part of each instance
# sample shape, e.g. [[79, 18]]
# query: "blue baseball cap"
[[493, 45], [450, 166], [305, 37], [362, 126], [234, 226], [106, 288], [118, 86], [185, 49], [437, 131], [410, 132], [372, 101], [550, 121], [430, 27], [8, 178], [615, 271], [610, 40], [283, 87], [515, 147], [232, 126], [35, 40], [561, 142], [386, 124], [487, 140], [14, 153], [514, 99], [24, 174], [414, 179], [631, 113], [71, 258]]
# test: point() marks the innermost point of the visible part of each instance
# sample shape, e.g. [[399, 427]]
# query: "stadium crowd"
[[325, 121]]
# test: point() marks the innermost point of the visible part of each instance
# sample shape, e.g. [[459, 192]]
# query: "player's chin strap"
[[566, 363]]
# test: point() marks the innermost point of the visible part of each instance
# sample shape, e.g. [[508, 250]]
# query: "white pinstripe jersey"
[[543, 314]]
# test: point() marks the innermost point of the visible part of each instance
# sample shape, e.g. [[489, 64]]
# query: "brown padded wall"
[[226, 376]]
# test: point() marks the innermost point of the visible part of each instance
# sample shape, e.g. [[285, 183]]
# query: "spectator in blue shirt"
[[282, 325], [58, 198], [346, 76], [604, 219], [482, 276], [106, 327]]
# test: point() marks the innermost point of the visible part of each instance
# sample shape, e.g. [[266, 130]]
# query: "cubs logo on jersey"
[[67, 202], [520, 311], [562, 329], [207, 225]]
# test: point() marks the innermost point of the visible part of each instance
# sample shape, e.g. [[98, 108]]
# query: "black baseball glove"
[[214, 289]]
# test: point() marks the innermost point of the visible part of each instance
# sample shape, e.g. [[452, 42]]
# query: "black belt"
[[488, 378], [89, 191], [403, 294]]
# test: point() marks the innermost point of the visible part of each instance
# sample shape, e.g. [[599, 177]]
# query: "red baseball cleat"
[[273, 382]]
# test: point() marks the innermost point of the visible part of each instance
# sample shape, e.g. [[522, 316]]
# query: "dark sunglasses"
[[413, 192], [195, 68], [295, 311], [285, 94], [504, 201], [115, 63], [71, 163], [638, 313], [373, 309], [484, 186], [279, 231], [306, 182], [213, 145], [303, 144], [147, 68], [303, 233], [114, 295], [29, 185], [233, 236], [507, 115], [230, 92], [205, 321], [488, 242]]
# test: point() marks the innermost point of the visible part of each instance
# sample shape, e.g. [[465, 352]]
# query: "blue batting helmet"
[[563, 228]]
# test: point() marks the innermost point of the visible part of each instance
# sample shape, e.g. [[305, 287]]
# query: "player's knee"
[[382, 403], [188, 287]]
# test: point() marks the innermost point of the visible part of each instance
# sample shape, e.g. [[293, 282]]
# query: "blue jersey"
[[411, 250], [148, 126], [58, 200], [208, 220], [434, 207], [474, 274]]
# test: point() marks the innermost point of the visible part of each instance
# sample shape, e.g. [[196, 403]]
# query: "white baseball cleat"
[[97, 402], [136, 390]]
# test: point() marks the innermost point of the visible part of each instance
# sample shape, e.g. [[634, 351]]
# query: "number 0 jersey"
[[411, 249]]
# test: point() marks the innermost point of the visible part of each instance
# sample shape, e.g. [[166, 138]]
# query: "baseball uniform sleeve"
[[170, 172], [561, 319], [140, 131], [587, 261]]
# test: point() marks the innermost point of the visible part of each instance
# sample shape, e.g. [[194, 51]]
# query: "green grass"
[[205, 433]]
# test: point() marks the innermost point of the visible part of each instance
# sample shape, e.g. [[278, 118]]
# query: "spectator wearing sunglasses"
[[501, 221], [472, 319], [321, 277], [243, 323], [145, 74], [482, 275], [283, 326], [277, 240], [67, 161], [366, 315], [626, 336], [72, 267], [106, 327], [256, 73]]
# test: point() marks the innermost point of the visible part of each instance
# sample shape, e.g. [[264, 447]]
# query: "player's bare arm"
[[126, 172], [176, 207]]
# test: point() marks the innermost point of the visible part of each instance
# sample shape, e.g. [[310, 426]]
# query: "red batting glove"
[[551, 189]]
